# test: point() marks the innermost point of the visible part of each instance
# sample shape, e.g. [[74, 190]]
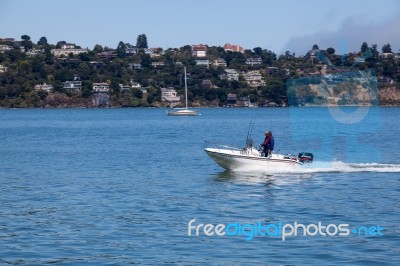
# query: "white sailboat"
[[183, 111]]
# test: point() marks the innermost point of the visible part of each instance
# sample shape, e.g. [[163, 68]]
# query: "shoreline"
[[202, 107]]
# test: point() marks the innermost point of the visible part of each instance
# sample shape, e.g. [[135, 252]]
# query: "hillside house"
[[34, 52], [73, 86], [130, 49], [231, 100], [135, 66], [123, 87], [157, 64], [254, 79], [44, 87], [233, 48], [206, 83], [255, 60], [67, 49], [68, 46], [100, 87], [107, 55], [203, 62], [199, 50], [170, 95], [3, 69], [230, 75], [220, 62], [135, 85], [5, 48]]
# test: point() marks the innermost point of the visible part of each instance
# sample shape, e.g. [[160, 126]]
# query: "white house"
[[203, 62], [68, 46], [157, 64], [73, 86], [135, 85], [34, 52], [230, 75], [66, 52], [255, 60], [5, 48], [134, 66], [219, 62], [43, 87], [386, 55], [254, 79], [131, 50], [3, 69], [169, 95], [123, 87], [156, 52], [100, 87]]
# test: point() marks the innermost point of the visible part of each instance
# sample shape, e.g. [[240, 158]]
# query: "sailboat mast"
[[186, 97]]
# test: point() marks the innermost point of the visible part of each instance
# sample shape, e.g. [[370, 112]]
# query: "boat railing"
[[219, 147]]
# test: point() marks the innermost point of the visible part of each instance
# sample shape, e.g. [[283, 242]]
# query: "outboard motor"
[[306, 157]]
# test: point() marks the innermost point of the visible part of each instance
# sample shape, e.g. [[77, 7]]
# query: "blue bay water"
[[119, 186]]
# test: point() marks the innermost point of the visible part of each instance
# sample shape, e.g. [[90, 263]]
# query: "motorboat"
[[183, 111], [232, 158]]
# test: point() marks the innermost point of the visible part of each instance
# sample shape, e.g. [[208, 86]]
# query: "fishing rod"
[[249, 140]]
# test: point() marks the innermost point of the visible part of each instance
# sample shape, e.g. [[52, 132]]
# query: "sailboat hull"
[[183, 112]]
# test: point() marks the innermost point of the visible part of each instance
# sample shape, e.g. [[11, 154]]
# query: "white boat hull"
[[231, 159], [183, 112]]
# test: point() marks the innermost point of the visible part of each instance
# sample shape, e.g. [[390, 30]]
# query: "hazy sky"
[[277, 25]]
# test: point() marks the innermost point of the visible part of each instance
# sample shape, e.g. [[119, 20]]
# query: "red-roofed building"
[[199, 50], [233, 48]]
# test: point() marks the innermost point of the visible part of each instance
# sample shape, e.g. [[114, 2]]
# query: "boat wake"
[[325, 167]]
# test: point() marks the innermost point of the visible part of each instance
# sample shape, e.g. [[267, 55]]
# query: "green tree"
[[84, 57], [42, 41], [98, 48], [315, 47], [60, 43], [364, 47], [137, 93], [26, 42], [374, 49], [141, 41], [25, 38], [330, 50], [150, 99], [386, 48], [146, 61], [15, 55], [48, 56], [121, 49], [268, 57], [24, 68], [258, 51], [38, 67]]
